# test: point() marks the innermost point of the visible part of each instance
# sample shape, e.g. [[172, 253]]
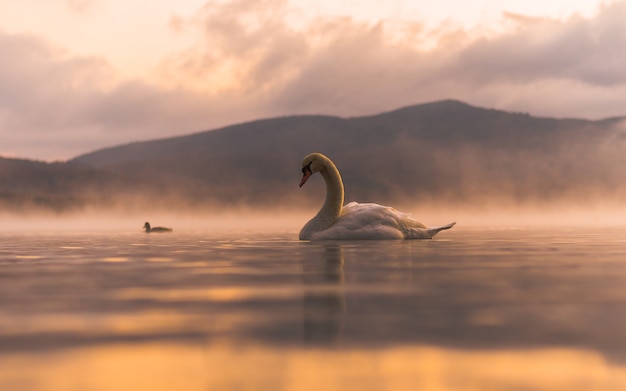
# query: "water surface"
[[474, 309]]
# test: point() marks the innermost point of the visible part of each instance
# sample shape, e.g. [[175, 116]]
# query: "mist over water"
[[235, 301], [289, 219]]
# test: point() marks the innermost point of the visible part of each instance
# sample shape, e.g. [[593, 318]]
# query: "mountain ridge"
[[446, 151], [427, 111]]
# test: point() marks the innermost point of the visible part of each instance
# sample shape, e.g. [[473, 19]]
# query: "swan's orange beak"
[[305, 176]]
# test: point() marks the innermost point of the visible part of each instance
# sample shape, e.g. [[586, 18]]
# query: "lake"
[[473, 309]]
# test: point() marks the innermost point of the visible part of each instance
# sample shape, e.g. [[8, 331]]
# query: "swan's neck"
[[334, 193], [330, 211]]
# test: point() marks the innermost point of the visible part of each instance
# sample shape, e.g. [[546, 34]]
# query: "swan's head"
[[312, 163]]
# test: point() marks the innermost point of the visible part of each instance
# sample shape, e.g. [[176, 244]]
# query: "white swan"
[[355, 221]]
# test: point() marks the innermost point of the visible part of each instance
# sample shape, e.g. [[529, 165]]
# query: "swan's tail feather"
[[435, 230]]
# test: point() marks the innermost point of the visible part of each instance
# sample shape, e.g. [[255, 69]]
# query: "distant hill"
[[27, 185], [445, 150]]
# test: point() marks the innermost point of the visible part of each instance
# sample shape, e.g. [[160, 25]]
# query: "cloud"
[[580, 50], [341, 66], [43, 85], [246, 46], [254, 59], [55, 105], [80, 6]]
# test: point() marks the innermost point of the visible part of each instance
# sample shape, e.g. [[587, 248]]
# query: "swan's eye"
[[306, 168]]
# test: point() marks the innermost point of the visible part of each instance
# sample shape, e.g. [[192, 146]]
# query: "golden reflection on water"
[[213, 294], [95, 324], [159, 259], [114, 259], [114, 319], [222, 366]]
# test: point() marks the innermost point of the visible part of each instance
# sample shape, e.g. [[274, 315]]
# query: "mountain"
[[447, 151], [27, 185]]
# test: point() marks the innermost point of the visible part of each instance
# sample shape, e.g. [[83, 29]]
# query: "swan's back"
[[375, 222]]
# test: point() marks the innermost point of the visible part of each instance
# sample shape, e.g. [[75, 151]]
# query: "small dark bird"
[[150, 229]]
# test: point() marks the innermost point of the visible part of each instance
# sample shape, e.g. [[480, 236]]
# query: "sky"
[[79, 75]]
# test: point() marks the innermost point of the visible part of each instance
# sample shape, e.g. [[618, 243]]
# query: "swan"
[[355, 220], [149, 229]]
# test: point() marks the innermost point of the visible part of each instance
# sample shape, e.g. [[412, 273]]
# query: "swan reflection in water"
[[324, 298]]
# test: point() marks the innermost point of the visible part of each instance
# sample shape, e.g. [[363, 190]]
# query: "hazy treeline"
[[444, 151]]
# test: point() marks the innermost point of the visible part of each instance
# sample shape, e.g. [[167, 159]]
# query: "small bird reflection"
[[324, 298]]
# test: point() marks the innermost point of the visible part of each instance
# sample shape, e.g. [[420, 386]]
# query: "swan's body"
[[150, 229], [355, 221]]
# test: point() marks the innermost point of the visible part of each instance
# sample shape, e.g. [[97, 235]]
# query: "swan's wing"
[[342, 231], [370, 221], [370, 213], [374, 221]]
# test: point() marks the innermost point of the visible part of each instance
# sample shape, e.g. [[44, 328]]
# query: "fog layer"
[[445, 155]]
